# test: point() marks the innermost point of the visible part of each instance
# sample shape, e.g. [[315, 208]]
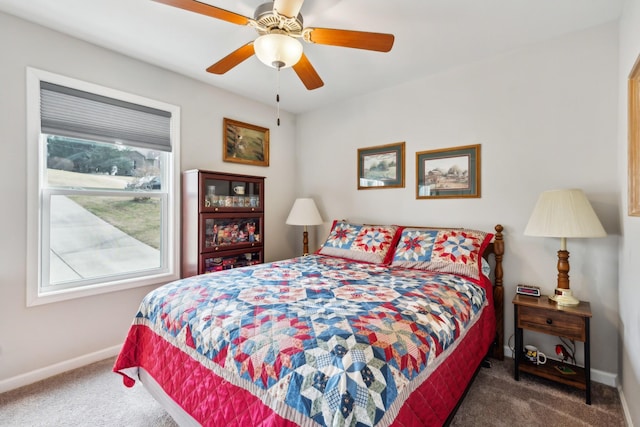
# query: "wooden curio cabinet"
[[222, 221]]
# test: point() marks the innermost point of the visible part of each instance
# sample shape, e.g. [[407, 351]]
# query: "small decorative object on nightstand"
[[545, 316]]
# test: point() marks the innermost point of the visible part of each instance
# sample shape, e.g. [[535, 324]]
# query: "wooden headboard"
[[496, 248]]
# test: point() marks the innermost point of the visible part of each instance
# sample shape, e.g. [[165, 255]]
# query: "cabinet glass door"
[[228, 232], [221, 194], [212, 263]]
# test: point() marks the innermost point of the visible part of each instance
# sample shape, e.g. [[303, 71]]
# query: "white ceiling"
[[430, 36]]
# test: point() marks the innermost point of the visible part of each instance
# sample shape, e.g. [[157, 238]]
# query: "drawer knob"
[[549, 321]]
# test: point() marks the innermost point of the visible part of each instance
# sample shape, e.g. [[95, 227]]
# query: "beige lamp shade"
[[564, 213], [304, 212]]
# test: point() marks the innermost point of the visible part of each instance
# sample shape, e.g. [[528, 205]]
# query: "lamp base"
[[564, 297], [305, 242]]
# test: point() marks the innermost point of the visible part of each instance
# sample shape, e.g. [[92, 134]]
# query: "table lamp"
[[564, 214], [304, 212]]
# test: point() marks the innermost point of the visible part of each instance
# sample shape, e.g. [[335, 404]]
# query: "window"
[[102, 187]]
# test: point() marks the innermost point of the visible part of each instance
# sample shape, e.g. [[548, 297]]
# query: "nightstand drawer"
[[552, 323]]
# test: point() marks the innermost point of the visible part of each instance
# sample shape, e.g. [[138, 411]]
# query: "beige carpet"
[[496, 399], [94, 396]]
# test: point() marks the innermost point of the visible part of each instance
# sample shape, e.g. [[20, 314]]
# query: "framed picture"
[[245, 143], [381, 166], [634, 141], [448, 173]]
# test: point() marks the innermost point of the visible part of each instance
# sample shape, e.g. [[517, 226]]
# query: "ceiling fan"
[[279, 25]]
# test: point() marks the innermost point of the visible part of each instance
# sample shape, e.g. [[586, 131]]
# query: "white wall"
[[546, 117], [39, 337], [630, 247]]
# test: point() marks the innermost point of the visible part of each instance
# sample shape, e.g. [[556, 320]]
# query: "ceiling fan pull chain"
[[278, 96]]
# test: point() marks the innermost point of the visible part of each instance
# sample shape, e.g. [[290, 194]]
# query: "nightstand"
[[539, 314]]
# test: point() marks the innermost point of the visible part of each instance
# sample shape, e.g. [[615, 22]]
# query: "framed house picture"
[[245, 143], [381, 166], [448, 173]]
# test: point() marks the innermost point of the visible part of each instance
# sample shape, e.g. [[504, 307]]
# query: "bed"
[[383, 325]]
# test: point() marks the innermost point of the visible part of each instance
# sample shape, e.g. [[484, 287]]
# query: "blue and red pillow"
[[360, 242], [457, 251]]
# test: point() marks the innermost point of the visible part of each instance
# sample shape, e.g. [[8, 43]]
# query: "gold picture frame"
[[245, 143], [381, 166], [448, 173], [634, 141]]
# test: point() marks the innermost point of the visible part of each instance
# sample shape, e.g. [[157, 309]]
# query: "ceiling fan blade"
[[233, 59], [356, 39], [307, 73], [288, 8], [208, 10]]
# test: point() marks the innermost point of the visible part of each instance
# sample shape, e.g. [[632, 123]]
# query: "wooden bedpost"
[[498, 293]]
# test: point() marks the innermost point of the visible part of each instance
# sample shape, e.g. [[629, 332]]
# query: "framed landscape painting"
[[245, 143], [448, 173], [381, 166]]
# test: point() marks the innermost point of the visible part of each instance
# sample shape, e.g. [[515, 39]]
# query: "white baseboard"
[[625, 408], [606, 378], [49, 371], [602, 377]]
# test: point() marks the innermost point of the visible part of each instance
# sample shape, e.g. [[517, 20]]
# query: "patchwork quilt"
[[315, 340]]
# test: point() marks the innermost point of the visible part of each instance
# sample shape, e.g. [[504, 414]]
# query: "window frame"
[[36, 154]]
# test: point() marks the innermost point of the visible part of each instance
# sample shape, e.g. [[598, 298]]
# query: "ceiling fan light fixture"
[[278, 50]]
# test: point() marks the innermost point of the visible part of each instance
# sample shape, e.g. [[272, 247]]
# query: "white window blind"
[[77, 114]]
